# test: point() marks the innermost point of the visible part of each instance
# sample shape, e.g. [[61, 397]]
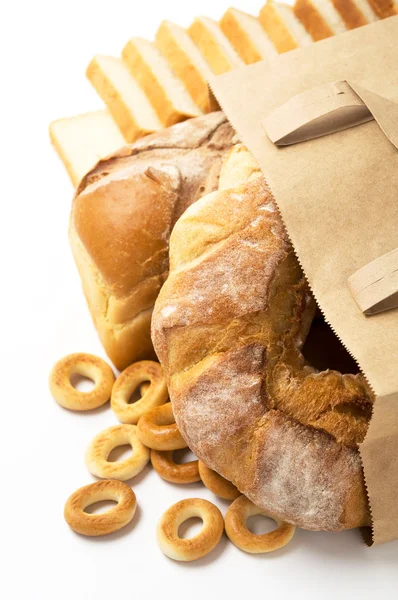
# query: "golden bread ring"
[[97, 453], [218, 485], [235, 526], [169, 470], [106, 522], [128, 381], [86, 365], [157, 429], [144, 387], [197, 546]]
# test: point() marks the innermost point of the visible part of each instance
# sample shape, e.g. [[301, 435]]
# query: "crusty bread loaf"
[[228, 327], [247, 36], [282, 27], [83, 139], [122, 216], [187, 62]]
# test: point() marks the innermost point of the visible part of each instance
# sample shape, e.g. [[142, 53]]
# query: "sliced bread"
[[187, 62], [282, 27], [214, 45], [123, 96], [350, 12], [320, 18], [164, 90], [384, 8], [82, 140], [247, 36]]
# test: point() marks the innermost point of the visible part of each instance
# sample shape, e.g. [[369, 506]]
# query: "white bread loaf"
[[122, 216]]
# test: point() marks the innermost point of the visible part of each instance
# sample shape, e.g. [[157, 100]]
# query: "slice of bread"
[[187, 62], [82, 140], [123, 96], [214, 45], [350, 12], [320, 18], [247, 36], [162, 87], [282, 27], [384, 8]]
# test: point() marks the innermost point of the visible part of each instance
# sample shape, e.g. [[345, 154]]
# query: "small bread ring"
[[127, 383], [218, 485], [197, 546], [86, 365], [157, 429], [235, 526], [144, 387], [169, 470], [106, 522], [97, 453]]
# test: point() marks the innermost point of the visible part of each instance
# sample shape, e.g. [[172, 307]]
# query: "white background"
[[45, 49]]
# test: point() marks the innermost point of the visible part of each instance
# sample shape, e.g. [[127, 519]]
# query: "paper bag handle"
[[375, 286], [330, 108]]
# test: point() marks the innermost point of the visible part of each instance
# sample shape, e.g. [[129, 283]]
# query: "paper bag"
[[338, 197]]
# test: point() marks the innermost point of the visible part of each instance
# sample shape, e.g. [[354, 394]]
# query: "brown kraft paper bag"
[[338, 197]]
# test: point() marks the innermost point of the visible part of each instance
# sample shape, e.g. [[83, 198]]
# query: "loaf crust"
[[122, 216], [228, 326]]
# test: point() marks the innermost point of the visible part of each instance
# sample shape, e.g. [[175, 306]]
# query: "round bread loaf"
[[122, 215], [228, 328]]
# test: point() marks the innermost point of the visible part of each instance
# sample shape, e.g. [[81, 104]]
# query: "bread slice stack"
[[126, 101], [355, 13], [214, 45], [384, 8], [162, 87], [247, 36], [320, 18], [283, 27], [156, 84], [187, 62]]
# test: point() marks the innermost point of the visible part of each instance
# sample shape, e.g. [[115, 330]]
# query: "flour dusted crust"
[[228, 326], [122, 216]]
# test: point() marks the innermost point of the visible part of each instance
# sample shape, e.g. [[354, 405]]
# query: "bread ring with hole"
[[158, 430], [197, 546], [98, 452], [218, 485], [144, 387], [128, 381], [169, 470], [106, 522], [236, 529], [86, 365]]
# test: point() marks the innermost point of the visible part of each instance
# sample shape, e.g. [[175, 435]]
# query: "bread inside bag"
[[337, 195]]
